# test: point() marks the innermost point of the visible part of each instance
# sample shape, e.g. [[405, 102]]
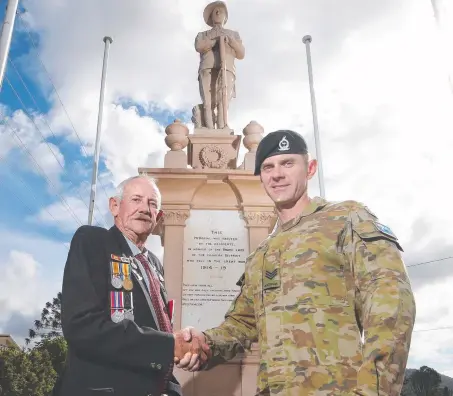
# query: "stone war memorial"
[[215, 211]]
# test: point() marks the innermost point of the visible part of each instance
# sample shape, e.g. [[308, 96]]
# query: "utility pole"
[[107, 41], [307, 40], [7, 33]]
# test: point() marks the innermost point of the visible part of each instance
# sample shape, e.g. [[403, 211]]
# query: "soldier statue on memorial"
[[218, 49], [214, 143]]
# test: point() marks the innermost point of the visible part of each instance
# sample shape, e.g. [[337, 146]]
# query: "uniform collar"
[[315, 204]]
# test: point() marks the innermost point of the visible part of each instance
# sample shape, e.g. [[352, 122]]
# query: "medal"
[[117, 316], [127, 281], [129, 315], [117, 282], [116, 306], [128, 306], [127, 284]]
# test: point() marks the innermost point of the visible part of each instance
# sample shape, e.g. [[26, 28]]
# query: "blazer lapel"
[[126, 251]]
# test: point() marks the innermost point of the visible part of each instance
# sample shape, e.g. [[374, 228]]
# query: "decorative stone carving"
[[253, 133], [176, 217], [213, 156], [258, 219], [176, 138], [214, 151]]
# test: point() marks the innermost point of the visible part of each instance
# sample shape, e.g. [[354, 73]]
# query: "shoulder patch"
[[384, 229]]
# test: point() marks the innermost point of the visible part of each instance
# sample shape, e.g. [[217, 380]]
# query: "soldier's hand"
[[199, 354], [182, 347], [231, 42]]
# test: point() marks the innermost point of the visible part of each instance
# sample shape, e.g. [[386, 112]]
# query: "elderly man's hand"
[[195, 356]]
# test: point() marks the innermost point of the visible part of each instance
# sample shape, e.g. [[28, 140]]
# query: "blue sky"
[[384, 107]]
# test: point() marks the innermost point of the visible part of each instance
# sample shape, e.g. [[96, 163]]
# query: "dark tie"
[[158, 304]]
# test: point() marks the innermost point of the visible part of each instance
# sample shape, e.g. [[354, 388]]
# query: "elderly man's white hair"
[[120, 188]]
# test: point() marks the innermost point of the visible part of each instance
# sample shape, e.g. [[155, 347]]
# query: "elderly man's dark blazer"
[[128, 358]]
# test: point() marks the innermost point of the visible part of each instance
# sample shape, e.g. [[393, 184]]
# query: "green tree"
[[423, 382], [57, 349], [26, 373], [49, 326], [447, 391]]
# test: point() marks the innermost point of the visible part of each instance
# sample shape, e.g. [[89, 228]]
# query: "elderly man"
[[328, 275], [115, 314], [213, 45]]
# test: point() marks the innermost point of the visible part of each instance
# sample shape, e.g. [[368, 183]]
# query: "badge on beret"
[[283, 145]]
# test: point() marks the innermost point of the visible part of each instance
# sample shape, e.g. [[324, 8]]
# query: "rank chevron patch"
[[271, 274]]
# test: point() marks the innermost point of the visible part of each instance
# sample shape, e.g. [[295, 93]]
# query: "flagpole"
[[7, 33], [439, 21], [307, 40], [107, 41]]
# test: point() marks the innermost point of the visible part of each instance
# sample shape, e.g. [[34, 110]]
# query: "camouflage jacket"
[[308, 293]]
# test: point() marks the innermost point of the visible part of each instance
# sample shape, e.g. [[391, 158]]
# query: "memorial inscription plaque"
[[215, 249]]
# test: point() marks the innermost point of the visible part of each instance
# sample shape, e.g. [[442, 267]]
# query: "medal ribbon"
[[116, 301], [120, 271], [126, 270], [115, 268]]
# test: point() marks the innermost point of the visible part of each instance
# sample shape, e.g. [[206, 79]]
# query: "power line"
[[56, 91], [429, 262], [434, 329], [39, 130], [42, 171]]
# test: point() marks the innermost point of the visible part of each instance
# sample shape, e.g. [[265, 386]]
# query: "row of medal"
[[120, 270], [121, 303]]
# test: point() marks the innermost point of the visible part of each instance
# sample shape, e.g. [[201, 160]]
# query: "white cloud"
[[433, 348], [30, 139], [26, 287]]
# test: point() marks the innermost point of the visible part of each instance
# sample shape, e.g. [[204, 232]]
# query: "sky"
[[384, 99]]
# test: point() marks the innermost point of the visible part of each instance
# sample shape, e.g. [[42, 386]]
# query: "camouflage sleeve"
[[384, 303], [238, 330]]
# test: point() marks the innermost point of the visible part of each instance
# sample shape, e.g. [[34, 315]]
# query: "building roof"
[[7, 340]]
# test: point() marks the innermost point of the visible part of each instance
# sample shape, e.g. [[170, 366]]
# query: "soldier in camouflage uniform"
[[329, 274]]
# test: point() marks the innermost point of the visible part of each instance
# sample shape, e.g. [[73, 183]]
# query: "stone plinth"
[[215, 132], [218, 151], [213, 219]]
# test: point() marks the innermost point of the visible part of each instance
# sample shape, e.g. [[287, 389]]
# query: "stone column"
[[259, 223], [173, 237]]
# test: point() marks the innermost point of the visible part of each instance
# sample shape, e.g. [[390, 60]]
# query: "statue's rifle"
[[224, 80]]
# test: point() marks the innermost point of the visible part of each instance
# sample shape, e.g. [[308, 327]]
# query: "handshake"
[[191, 349]]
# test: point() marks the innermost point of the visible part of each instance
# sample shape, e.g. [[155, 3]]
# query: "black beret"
[[279, 142]]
